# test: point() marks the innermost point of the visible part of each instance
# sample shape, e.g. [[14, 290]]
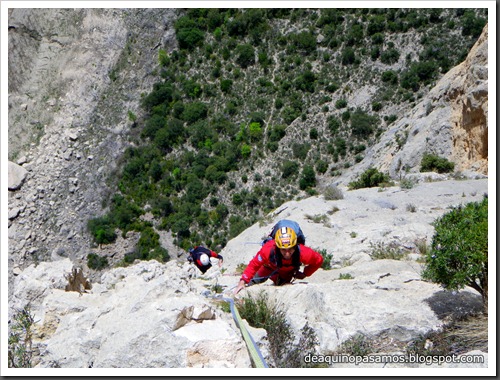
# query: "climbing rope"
[[253, 349]]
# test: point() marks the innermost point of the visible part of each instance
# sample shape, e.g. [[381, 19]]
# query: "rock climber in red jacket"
[[280, 260]]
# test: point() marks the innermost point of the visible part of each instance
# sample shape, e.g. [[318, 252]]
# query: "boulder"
[[17, 176]]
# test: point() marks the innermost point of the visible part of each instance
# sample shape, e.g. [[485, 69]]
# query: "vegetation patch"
[[286, 351], [391, 251], [433, 163], [457, 337], [370, 178], [21, 339], [459, 252], [238, 92]]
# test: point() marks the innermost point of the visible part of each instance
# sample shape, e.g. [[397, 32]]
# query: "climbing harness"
[[259, 280]]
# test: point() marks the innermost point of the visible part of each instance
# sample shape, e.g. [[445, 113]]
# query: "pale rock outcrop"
[[451, 122], [17, 176], [147, 315], [468, 96], [385, 297], [152, 315], [348, 228]]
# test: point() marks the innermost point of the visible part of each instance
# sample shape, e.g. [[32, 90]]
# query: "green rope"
[[254, 351]]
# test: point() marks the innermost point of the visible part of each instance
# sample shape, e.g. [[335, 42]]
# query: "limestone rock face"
[[160, 315], [68, 120], [152, 315], [17, 176], [148, 315], [468, 96], [451, 122]]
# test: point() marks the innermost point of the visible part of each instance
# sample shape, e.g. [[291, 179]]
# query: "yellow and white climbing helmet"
[[285, 238]]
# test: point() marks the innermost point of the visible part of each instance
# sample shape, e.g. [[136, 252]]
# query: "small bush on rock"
[[333, 193], [261, 313], [459, 250], [96, 262], [20, 339], [433, 163], [370, 178]]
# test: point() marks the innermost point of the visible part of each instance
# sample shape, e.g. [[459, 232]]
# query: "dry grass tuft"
[[471, 333]]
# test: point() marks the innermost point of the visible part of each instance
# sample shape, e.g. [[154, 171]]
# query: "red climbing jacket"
[[269, 261]]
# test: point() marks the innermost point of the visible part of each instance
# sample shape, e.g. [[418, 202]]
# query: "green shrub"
[[148, 248], [225, 85], [260, 313], [192, 89], [362, 124], [346, 116], [391, 119], [472, 25], [369, 178], [333, 124], [431, 162], [124, 214], [276, 133], [161, 94], [357, 345], [305, 81], [327, 259], [187, 33], [348, 56], [389, 77], [289, 169], [377, 38], [407, 183], [333, 193], [194, 111], [341, 103], [163, 58], [321, 166], [96, 262], [285, 353], [245, 55], [307, 345], [308, 178], [376, 106], [132, 116], [255, 131], [20, 339], [317, 218], [355, 35], [389, 56], [419, 73], [459, 249], [246, 150], [300, 150], [345, 276], [305, 42], [341, 146], [102, 230]]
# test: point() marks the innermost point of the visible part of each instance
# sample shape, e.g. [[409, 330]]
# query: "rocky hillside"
[[70, 122], [68, 119], [69, 125], [153, 315], [452, 120]]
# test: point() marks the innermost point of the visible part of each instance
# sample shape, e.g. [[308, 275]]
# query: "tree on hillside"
[[459, 253]]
